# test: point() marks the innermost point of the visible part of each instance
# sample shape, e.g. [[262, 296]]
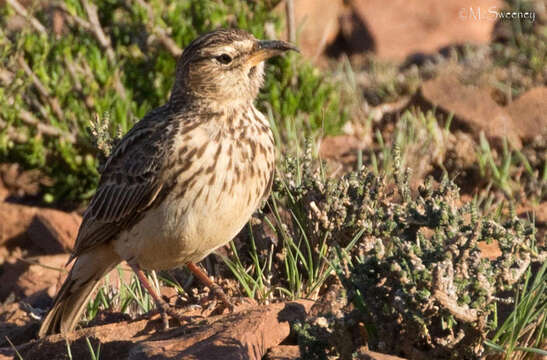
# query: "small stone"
[[398, 29], [529, 113], [283, 352], [54, 231], [473, 109]]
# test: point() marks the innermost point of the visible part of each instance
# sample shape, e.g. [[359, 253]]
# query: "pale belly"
[[183, 230]]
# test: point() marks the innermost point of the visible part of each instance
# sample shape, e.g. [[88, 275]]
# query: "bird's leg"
[[214, 287], [162, 306]]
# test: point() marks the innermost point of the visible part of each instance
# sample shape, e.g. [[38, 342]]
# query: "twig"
[[20, 10], [442, 286], [88, 100], [45, 129], [160, 32], [42, 128], [289, 13], [94, 27], [102, 38], [512, 275], [6, 76], [460, 313], [15, 136], [52, 100], [73, 18]]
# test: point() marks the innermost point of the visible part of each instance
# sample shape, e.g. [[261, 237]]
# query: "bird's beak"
[[268, 48]]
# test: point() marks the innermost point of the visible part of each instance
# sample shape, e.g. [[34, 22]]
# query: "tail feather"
[[84, 277]]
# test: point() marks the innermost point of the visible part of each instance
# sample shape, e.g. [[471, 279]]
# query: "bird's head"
[[225, 67]]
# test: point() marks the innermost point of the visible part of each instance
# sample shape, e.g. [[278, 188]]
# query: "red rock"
[[19, 182], [26, 278], [116, 340], [473, 108], [356, 35], [401, 28], [244, 335], [340, 147], [365, 354], [6, 354], [4, 192], [529, 113], [316, 24], [54, 231], [14, 221], [284, 352], [38, 230], [490, 250], [247, 334], [15, 325]]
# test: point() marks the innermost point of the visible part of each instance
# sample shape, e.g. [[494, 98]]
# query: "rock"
[[473, 109], [356, 35], [24, 279], [15, 325], [490, 251], [4, 192], [244, 335], [116, 340], [38, 230], [20, 183], [247, 334], [14, 221], [283, 352], [400, 28], [6, 354], [54, 231], [528, 113], [365, 354], [316, 24], [340, 147], [541, 213]]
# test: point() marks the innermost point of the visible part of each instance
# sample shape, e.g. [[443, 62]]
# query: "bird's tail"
[[89, 268]]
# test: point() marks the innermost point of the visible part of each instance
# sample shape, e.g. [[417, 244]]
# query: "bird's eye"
[[224, 59]]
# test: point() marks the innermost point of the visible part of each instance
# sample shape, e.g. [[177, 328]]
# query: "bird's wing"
[[130, 182]]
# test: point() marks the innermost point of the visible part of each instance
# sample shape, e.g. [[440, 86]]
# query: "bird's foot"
[[227, 302], [179, 314], [220, 306]]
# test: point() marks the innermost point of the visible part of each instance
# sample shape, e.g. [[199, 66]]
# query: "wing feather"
[[130, 181]]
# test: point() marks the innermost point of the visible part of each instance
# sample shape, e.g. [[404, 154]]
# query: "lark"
[[184, 180]]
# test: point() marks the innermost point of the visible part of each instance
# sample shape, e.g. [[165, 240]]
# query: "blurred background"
[[452, 90]]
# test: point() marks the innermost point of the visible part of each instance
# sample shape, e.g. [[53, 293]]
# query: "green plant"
[[94, 354], [125, 296], [523, 334], [422, 280], [298, 264], [510, 170], [14, 349]]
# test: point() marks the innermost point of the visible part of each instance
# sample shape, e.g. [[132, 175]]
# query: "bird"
[[184, 180]]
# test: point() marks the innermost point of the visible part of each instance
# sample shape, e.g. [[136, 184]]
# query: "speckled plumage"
[[185, 179]]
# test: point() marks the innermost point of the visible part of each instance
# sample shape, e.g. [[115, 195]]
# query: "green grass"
[[300, 262], [523, 334], [125, 297], [509, 169], [94, 354]]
